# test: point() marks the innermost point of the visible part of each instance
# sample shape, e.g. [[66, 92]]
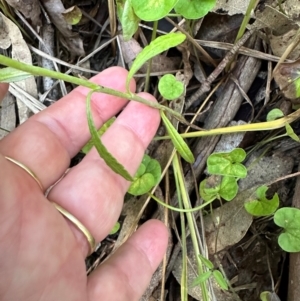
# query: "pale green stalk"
[[186, 205], [38, 71]]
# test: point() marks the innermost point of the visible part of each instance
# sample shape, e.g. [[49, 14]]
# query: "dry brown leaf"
[[11, 35], [30, 9], [69, 39]]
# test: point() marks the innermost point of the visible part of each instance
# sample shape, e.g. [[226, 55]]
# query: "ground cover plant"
[[185, 171]]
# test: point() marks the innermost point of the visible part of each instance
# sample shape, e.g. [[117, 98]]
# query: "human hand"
[[41, 253]]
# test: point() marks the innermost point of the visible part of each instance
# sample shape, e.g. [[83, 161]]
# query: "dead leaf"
[[11, 35], [69, 39], [30, 9]]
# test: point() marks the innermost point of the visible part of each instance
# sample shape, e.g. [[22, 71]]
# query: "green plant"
[[146, 177], [261, 205], [212, 272]]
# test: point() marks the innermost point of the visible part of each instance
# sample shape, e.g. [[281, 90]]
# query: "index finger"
[[48, 140]]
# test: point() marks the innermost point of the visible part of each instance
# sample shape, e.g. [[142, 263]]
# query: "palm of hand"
[[42, 254]]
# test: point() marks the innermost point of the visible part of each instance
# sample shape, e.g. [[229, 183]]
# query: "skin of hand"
[[41, 253]]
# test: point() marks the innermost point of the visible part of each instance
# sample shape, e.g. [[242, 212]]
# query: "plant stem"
[[38, 71], [260, 126], [189, 216]]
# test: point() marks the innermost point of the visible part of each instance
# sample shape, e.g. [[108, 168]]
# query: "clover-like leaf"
[[289, 220], [228, 188], [194, 9], [274, 114], [11, 75], [101, 131], [220, 279], [146, 177], [152, 10], [228, 164], [216, 187], [169, 87], [291, 133], [261, 206], [157, 46], [177, 140], [128, 18]]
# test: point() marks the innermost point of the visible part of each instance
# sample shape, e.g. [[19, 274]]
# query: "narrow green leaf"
[[177, 140], [152, 10], [102, 151], [201, 278], [157, 46], [206, 262], [194, 9], [10, 75], [101, 131], [269, 296], [262, 206], [289, 220], [169, 87], [291, 133], [220, 279]]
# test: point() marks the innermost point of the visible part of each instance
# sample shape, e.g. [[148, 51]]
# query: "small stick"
[[205, 87]]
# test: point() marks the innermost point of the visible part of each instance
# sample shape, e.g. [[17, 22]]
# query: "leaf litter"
[[234, 239]]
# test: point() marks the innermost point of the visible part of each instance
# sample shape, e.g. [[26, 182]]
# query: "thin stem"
[[38, 71]]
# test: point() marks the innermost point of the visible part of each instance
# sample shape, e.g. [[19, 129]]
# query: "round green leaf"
[[152, 10], [169, 87], [289, 220], [72, 15], [262, 206], [274, 114], [194, 9], [146, 177], [229, 188]]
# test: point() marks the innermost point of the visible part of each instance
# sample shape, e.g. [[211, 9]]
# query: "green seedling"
[[274, 114], [101, 131], [194, 9], [115, 229], [218, 276], [217, 187], [228, 164], [156, 47], [146, 177], [262, 206], [290, 132], [177, 140], [169, 87], [289, 220]]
